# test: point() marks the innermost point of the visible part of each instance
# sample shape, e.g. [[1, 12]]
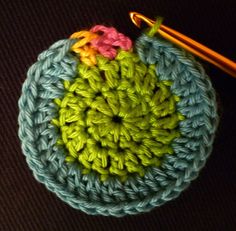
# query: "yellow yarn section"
[[86, 53], [117, 118]]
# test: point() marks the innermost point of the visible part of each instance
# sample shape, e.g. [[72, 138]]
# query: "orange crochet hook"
[[189, 44]]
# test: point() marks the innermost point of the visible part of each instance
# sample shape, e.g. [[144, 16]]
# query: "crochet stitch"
[[117, 124], [114, 129]]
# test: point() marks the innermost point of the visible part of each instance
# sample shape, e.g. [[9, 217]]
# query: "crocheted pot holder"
[[114, 128]]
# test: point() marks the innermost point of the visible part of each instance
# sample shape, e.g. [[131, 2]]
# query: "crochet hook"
[[188, 44]]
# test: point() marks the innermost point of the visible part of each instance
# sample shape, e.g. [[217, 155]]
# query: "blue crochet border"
[[87, 192]]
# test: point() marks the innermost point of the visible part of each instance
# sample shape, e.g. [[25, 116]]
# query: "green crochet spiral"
[[116, 118]]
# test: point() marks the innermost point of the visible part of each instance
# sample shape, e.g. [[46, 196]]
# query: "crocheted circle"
[[114, 129]]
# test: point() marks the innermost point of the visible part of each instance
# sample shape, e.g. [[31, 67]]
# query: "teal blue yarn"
[[112, 197]]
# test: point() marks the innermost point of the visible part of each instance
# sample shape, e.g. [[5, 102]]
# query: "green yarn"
[[153, 30], [116, 118]]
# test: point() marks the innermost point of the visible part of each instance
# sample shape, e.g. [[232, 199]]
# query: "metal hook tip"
[[135, 19]]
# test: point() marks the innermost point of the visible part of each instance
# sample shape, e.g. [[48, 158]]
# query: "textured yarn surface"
[[116, 118], [174, 114]]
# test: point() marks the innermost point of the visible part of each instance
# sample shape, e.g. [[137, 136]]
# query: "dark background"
[[29, 26]]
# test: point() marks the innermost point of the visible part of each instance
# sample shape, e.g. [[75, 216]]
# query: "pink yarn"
[[109, 41]]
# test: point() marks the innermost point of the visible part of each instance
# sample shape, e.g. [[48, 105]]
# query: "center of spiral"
[[117, 119]]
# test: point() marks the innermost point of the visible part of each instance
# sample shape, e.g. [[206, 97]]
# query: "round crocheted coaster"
[[116, 129]]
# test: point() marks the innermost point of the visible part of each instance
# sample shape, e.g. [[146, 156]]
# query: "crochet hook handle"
[[189, 44]]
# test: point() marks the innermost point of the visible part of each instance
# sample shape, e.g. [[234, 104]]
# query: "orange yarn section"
[[102, 40], [86, 52]]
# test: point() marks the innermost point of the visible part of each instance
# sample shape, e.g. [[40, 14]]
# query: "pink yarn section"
[[109, 40]]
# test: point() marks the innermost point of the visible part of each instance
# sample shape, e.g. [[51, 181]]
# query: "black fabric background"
[[29, 26]]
